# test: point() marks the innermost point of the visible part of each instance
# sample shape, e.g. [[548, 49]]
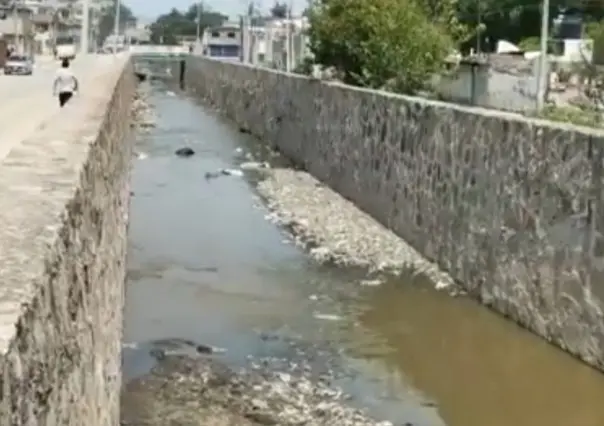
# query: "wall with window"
[[225, 33], [223, 51]]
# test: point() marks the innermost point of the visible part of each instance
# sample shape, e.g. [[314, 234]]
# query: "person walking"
[[66, 84]]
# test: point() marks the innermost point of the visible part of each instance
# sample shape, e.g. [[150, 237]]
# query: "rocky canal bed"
[[192, 384], [199, 389]]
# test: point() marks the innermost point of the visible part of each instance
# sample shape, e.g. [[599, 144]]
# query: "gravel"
[[335, 230], [185, 390], [143, 117]]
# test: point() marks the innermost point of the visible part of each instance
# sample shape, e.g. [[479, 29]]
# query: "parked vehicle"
[[19, 65]]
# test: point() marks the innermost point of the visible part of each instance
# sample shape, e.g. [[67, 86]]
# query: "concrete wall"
[[513, 208], [64, 199], [490, 88]]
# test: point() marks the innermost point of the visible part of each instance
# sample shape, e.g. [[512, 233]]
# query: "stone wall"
[[63, 225], [511, 207]]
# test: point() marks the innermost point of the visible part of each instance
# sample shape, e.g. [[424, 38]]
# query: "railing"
[[146, 49]]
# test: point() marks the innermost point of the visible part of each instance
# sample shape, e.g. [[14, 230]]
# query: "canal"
[[206, 265]]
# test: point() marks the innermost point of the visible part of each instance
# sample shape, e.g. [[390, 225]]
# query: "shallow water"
[[205, 265]]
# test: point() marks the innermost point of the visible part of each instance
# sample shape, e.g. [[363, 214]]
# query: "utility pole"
[[478, 30], [85, 30], [198, 29], [16, 28], [116, 24], [542, 77], [288, 40]]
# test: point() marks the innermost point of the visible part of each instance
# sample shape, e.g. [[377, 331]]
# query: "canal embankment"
[[211, 287], [509, 207], [219, 286]]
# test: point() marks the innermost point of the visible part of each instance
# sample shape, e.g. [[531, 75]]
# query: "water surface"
[[205, 265]]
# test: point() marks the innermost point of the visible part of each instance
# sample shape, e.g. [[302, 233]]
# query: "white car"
[[19, 65]]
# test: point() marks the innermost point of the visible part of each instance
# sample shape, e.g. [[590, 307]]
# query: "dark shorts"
[[64, 97]]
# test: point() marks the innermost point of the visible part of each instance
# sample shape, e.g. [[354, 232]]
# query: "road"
[[28, 101]]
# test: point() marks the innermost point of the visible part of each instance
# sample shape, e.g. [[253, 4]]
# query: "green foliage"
[[168, 27], [107, 21], [530, 44], [305, 67], [574, 115], [279, 10], [445, 15], [388, 44]]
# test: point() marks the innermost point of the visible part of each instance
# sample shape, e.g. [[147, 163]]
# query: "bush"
[[382, 44], [573, 115]]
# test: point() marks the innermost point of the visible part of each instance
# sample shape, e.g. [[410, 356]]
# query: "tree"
[[279, 10], [388, 44], [107, 21], [168, 27]]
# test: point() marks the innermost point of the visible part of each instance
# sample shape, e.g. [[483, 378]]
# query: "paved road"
[[26, 102]]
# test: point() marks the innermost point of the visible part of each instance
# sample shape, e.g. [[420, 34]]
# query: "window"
[[231, 35], [215, 34], [224, 51]]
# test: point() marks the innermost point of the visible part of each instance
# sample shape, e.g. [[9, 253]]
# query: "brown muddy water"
[[205, 265]]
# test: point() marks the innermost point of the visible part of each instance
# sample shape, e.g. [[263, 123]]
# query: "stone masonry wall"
[[63, 225], [511, 207]]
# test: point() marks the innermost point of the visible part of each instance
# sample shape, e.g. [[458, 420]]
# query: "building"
[[223, 42], [39, 24], [138, 33], [276, 43], [17, 28], [503, 81]]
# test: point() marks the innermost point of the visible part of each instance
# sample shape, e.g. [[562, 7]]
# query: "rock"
[[185, 152]]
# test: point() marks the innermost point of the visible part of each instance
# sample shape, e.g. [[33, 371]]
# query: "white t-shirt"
[[65, 81]]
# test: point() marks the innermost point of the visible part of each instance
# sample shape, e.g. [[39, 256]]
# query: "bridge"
[[480, 193]]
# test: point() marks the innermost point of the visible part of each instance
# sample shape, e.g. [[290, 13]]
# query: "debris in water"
[[442, 285], [371, 283], [223, 172], [231, 172], [170, 93], [184, 152], [141, 156], [209, 350], [266, 390], [239, 150], [253, 165], [327, 317], [313, 297]]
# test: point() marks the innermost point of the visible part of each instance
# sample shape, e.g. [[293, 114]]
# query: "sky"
[[148, 10]]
